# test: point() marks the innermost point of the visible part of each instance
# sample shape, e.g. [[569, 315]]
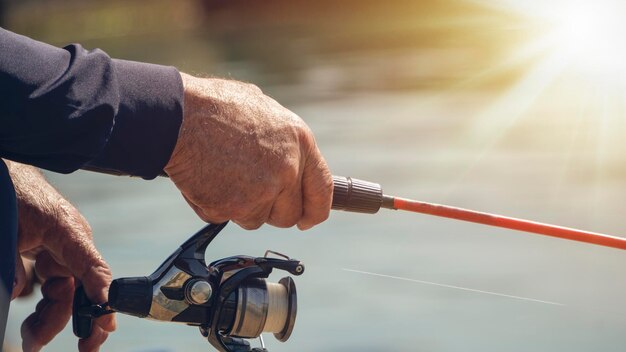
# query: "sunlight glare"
[[591, 34]]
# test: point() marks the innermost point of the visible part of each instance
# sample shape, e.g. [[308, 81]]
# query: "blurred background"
[[503, 106]]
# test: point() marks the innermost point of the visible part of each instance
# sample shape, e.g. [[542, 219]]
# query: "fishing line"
[[454, 287]]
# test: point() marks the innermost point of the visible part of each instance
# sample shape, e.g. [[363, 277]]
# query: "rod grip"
[[351, 194]]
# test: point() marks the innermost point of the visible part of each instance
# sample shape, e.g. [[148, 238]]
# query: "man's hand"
[[241, 156], [58, 238]]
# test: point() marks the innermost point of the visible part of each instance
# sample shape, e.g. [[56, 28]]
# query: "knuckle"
[[317, 169], [327, 185], [211, 216], [66, 287], [283, 222], [58, 289], [218, 217], [324, 216], [249, 225], [215, 220], [320, 179], [97, 275], [254, 226], [304, 133], [252, 221], [204, 217], [318, 218]]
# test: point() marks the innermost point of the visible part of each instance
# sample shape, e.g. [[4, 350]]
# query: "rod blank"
[[366, 197], [509, 223]]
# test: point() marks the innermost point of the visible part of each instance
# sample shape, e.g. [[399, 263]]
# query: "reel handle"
[[82, 321], [84, 311]]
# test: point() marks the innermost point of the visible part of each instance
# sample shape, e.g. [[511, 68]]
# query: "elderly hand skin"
[[241, 156], [53, 233]]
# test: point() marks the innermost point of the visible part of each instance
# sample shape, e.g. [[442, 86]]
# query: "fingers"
[[51, 315], [78, 254], [96, 278], [211, 218], [93, 342], [47, 268], [317, 190], [256, 217], [249, 220], [75, 252], [106, 323], [305, 203], [287, 209]]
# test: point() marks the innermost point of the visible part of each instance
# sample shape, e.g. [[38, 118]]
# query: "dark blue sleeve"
[[63, 109]]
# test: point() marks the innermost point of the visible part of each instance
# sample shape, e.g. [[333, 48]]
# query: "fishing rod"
[[355, 195], [231, 300]]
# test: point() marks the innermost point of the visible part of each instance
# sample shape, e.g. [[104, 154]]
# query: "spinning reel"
[[230, 300]]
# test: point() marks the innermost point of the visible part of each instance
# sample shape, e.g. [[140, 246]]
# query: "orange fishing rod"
[[365, 197]]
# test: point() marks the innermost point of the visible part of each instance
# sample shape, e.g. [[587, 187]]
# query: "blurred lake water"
[[397, 98]]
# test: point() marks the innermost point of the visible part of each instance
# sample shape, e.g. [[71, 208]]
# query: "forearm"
[[61, 108]]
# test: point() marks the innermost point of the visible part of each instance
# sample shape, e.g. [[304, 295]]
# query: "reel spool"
[[261, 306], [230, 300]]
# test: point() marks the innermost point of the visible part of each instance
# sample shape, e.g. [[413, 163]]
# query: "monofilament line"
[[453, 287]]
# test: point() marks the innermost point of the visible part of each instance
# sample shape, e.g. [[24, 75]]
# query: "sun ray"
[[579, 39], [522, 56], [583, 102], [600, 156], [497, 120]]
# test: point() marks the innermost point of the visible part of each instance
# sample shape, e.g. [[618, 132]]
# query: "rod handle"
[[354, 195]]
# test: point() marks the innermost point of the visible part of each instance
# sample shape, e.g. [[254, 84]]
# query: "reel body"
[[230, 299]]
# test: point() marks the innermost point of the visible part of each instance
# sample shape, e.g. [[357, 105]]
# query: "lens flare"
[[565, 93], [591, 33]]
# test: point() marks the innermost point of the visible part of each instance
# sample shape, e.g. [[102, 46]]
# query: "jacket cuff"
[[146, 126]]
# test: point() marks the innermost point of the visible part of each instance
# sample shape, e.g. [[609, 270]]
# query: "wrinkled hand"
[[58, 238], [241, 156]]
